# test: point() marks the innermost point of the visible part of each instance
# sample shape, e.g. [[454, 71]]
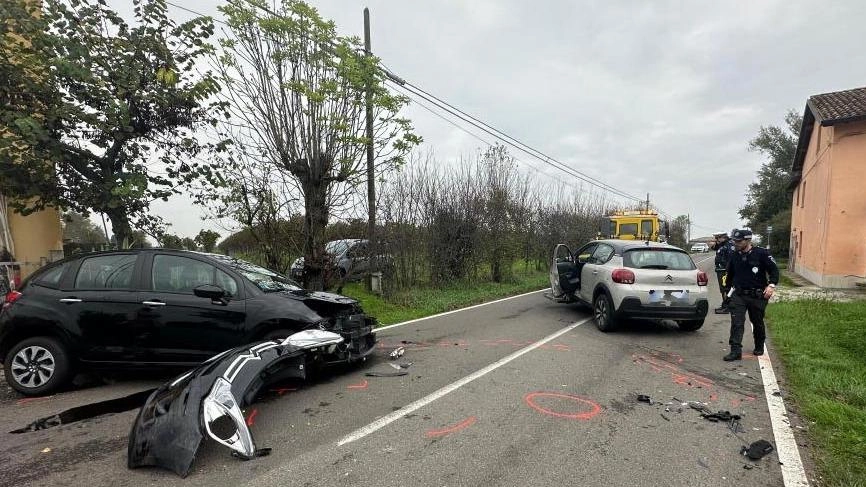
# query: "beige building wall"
[[811, 197], [845, 258], [37, 239], [828, 221]]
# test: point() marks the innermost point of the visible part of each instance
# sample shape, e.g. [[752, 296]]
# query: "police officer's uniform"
[[724, 251], [749, 273]]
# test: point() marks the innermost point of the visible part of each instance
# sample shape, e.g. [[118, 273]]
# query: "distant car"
[[625, 279], [349, 257], [700, 247], [158, 308]]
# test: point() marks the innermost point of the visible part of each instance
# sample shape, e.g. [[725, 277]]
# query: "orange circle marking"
[[595, 408]]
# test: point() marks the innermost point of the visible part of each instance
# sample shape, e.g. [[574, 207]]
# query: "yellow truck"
[[635, 225]]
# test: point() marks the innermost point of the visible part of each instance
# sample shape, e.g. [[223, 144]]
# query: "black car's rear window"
[[670, 259]]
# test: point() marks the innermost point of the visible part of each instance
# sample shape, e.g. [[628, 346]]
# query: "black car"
[[158, 307]]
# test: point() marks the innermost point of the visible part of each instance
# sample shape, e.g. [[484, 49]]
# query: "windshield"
[[336, 247], [264, 279], [670, 259]]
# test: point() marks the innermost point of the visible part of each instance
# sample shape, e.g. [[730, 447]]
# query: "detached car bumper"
[[207, 401], [633, 308]]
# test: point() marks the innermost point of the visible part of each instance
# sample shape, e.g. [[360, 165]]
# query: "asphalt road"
[[520, 392]]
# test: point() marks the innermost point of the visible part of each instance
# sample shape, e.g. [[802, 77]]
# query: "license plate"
[[668, 295]]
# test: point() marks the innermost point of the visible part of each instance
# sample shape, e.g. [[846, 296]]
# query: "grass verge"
[[822, 345], [419, 302]]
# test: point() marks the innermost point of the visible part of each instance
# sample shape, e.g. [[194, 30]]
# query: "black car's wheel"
[[690, 325], [37, 366], [602, 310]]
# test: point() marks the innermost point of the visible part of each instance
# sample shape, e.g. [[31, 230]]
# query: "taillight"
[[622, 276], [702, 278], [11, 297]]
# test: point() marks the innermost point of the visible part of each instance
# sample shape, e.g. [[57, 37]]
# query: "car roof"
[[621, 246]]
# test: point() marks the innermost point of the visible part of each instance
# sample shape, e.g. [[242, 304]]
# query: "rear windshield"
[[670, 259]]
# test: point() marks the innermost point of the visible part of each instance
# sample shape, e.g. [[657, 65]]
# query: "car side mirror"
[[210, 291]]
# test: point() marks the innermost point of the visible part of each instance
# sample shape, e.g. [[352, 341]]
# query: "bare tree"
[[297, 89]]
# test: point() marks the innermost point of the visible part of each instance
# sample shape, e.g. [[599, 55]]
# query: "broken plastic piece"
[[748, 467], [758, 449], [644, 398], [387, 374], [397, 353]]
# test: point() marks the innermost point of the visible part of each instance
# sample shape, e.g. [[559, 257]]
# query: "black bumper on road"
[[632, 308]]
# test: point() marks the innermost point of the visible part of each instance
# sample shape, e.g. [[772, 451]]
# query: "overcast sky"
[[654, 97]]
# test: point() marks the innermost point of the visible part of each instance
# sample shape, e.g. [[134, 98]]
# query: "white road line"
[[793, 473], [390, 418], [457, 310]]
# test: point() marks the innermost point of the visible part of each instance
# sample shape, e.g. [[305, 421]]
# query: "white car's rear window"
[[670, 259]]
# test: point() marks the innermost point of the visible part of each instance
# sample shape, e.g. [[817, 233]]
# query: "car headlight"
[[224, 421]]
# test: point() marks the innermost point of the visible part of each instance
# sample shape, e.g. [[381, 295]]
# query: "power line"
[[454, 111], [551, 162]]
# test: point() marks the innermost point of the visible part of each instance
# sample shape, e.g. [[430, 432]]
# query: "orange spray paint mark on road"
[[251, 419], [451, 429], [361, 385], [582, 415], [28, 400], [283, 390]]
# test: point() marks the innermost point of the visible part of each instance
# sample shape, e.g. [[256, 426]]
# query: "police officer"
[[752, 273], [724, 250]]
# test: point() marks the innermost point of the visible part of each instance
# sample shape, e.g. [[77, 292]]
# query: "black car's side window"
[[51, 278], [176, 274], [106, 272]]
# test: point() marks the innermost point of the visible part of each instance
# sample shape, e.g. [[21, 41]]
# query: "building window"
[[797, 195], [800, 244], [803, 197]]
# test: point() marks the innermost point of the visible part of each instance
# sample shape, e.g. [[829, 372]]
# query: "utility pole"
[[688, 228], [371, 173], [647, 202]]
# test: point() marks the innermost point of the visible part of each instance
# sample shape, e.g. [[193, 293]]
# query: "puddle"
[[88, 411]]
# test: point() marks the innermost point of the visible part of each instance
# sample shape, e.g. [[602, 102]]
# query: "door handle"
[[153, 303], [70, 300], [594, 273]]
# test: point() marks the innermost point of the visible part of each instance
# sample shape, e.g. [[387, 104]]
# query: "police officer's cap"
[[744, 234], [720, 234]]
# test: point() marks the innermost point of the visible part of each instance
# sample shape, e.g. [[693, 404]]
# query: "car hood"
[[305, 295], [207, 400]]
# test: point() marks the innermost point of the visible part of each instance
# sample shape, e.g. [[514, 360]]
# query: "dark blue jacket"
[[724, 251], [752, 270]]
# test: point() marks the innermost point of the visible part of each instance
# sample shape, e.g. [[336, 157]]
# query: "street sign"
[[769, 229]]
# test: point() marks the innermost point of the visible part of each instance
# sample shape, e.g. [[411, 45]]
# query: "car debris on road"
[[207, 400]]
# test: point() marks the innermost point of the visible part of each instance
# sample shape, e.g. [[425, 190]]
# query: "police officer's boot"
[[734, 355], [759, 349], [722, 310]]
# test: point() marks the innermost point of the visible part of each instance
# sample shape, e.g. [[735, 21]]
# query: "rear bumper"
[[633, 308]]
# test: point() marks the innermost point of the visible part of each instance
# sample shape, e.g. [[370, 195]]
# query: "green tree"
[[77, 228], [170, 241], [768, 197], [189, 244], [207, 240], [297, 92], [679, 228], [100, 115]]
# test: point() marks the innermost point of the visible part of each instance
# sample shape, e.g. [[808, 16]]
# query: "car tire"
[[603, 312], [690, 325], [37, 366]]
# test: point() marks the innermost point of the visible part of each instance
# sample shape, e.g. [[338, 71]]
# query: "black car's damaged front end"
[[342, 315], [207, 400]]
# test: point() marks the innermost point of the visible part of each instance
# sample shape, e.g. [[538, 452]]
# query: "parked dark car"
[[158, 308]]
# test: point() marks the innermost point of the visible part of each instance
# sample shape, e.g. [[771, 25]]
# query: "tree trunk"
[[315, 221], [120, 227]]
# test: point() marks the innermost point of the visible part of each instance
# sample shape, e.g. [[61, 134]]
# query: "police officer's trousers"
[[755, 306]]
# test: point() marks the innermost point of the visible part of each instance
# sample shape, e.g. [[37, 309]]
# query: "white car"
[[623, 279], [700, 247]]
